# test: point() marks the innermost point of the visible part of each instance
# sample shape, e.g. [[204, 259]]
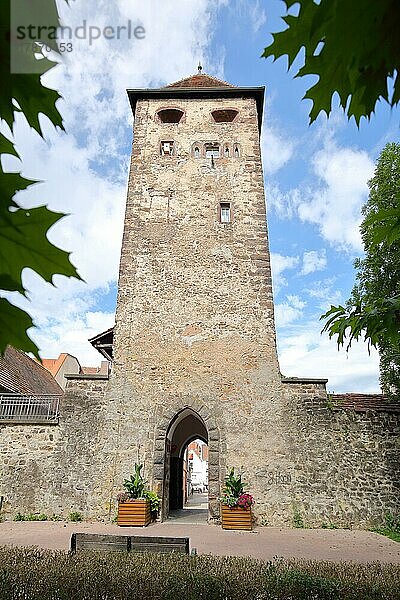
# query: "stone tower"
[[194, 342], [194, 349]]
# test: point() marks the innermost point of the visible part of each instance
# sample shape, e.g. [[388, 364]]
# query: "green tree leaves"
[[353, 48], [373, 311], [24, 238], [11, 315], [23, 232]]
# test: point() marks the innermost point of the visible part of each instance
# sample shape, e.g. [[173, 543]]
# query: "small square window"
[[225, 212], [167, 148]]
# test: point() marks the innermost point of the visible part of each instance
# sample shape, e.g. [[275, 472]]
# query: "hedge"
[[35, 574]]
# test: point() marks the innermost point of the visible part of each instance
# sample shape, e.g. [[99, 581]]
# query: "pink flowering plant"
[[245, 501], [234, 493]]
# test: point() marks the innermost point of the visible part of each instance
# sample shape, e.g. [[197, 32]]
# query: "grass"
[[390, 528], [34, 574], [393, 535]]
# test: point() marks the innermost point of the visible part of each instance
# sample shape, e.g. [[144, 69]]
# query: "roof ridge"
[[195, 75]]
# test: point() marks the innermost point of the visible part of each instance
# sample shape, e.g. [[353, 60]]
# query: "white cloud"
[[246, 11], [303, 352], [84, 170], [326, 292], [283, 204], [313, 261], [335, 204], [280, 263], [289, 311], [335, 191], [257, 15], [276, 149]]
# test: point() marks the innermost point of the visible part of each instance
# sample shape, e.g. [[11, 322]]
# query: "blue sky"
[[315, 177]]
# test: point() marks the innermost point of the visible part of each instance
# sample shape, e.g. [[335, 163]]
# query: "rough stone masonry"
[[195, 348]]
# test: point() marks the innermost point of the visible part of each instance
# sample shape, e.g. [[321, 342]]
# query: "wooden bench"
[[129, 543]]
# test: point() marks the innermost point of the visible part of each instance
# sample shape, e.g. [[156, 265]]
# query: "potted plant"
[[136, 504], [236, 503]]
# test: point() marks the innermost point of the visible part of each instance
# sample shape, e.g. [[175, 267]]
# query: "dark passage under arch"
[[187, 427]]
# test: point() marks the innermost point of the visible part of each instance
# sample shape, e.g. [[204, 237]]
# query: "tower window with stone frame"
[[225, 212], [227, 115], [212, 150], [170, 115], [167, 148]]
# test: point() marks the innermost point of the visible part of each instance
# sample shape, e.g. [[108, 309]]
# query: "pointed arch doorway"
[[185, 428]]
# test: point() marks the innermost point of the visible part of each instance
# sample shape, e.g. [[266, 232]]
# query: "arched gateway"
[[185, 426]]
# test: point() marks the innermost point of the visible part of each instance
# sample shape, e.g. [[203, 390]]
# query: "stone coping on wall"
[[363, 403], [88, 376], [303, 380]]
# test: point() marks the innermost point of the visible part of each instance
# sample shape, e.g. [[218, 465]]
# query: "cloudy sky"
[[315, 177]]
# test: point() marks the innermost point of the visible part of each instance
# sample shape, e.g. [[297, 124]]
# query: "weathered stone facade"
[[195, 352], [52, 468]]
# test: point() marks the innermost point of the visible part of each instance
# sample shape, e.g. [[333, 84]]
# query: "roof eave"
[[255, 92]]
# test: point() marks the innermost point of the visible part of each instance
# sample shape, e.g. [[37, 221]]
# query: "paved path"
[[264, 543], [195, 512]]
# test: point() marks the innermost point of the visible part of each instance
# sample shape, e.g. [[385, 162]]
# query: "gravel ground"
[[264, 543]]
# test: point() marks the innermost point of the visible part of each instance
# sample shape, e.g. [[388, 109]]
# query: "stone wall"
[[52, 468], [344, 464], [328, 464]]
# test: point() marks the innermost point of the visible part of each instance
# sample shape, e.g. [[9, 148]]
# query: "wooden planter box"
[[236, 517], [134, 514]]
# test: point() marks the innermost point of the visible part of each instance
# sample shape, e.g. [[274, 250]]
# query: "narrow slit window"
[[225, 212], [167, 148], [212, 150]]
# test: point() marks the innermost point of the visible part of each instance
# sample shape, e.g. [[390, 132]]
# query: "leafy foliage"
[[233, 493], [352, 47], [155, 501], [9, 333], [373, 311], [75, 516], [136, 484], [23, 232], [391, 527], [366, 321], [297, 520]]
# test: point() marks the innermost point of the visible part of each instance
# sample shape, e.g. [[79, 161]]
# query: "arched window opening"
[[197, 152], [226, 115], [236, 152], [170, 115], [226, 152]]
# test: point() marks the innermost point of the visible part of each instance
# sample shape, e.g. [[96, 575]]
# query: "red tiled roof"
[[90, 370], [20, 374], [364, 402], [53, 364], [200, 80]]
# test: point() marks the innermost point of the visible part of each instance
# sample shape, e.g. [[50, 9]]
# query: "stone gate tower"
[[194, 342], [194, 352]]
